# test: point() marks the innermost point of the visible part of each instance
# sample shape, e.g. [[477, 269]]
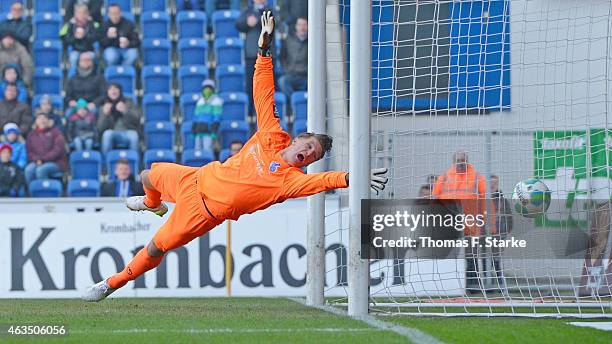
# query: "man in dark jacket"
[[294, 57], [17, 24], [119, 39], [118, 120], [87, 83], [11, 176], [124, 184], [249, 23], [46, 151], [79, 33], [14, 111]]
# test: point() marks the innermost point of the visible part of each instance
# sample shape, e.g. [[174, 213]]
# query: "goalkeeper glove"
[[378, 180], [267, 29]]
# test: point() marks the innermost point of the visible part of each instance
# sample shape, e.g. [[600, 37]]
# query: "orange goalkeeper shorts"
[[189, 219]]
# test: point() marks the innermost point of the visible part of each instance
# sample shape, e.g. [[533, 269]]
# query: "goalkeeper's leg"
[[188, 220]]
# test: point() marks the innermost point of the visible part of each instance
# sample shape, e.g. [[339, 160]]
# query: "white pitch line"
[[415, 335], [223, 330], [600, 325]]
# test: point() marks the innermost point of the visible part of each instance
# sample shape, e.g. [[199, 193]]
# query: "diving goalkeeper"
[[265, 171]]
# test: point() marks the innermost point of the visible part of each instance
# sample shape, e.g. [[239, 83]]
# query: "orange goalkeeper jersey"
[[257, 176]]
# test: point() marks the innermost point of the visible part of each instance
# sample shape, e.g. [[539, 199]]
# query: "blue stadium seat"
[[159, 135], [233, 131], [56, 100], [187, 104], [281, 104], [157, 79], [299, 105], [158, 155], [155, 24], [156, 52], [53, 6], [153, 5], [235, 106], [299, 126], [197, 158], [224, 23], [194, 5], [157, 106], [131, 156], [191, 77], [187, 135], [123, 75], [45, 188], [47, 53], [224, 154], [86, 164], [193, 51], [125, 5], [230, 78], [47, 25], [191, 24], [48, 80], [84, 188], [228, 51]]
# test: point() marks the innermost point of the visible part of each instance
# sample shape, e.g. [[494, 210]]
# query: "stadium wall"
[[60, 251]]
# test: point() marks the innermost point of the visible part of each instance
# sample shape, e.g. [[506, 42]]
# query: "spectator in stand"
[[17, 24], [207, 115], [88, 83], [55, 115], [125, 184], [14, 111], [294, 58], [46, 151], [11, 176], [119, 120], [79, 33], [11, 76], [235, 147], [291, 10], [119, 39], [12, 52], [93, 6], [12, 136], [250, 24], [82, 126]]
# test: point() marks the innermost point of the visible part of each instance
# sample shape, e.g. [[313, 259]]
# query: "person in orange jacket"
[[266, 171], [463, 183]]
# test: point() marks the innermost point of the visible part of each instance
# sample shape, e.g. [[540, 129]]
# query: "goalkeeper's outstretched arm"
[[299, 184]]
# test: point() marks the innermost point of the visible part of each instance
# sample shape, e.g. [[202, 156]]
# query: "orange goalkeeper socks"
[[153, 198], [140, 264]]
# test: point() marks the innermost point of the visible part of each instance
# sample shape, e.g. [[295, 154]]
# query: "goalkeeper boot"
[[97, 292], [136, 203]]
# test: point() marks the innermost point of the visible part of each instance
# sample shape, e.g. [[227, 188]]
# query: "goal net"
[[522, 90]]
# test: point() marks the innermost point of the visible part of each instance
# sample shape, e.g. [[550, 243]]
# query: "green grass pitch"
[[261, 320]]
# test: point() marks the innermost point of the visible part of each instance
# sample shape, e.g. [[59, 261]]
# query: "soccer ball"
[[531, 197]]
